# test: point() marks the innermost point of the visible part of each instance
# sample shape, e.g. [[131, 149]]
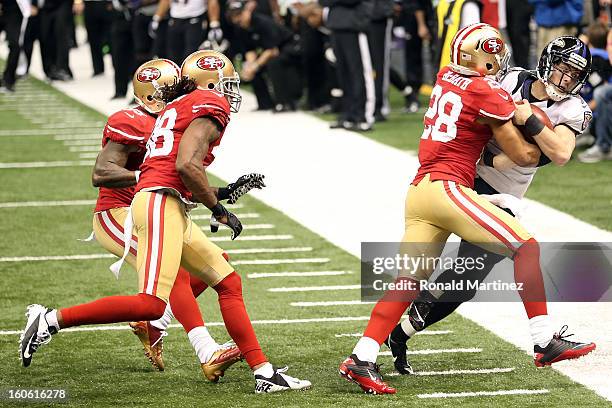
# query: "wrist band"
[[223, 193], [533, 126], [214, 24], [137, 175], [487, 158], [218, 210]]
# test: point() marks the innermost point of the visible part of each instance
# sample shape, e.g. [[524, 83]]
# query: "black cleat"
[[560, 349], [397, 344], [36, 333]]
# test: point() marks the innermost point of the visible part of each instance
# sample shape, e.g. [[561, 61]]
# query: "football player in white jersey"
[[554, 87]]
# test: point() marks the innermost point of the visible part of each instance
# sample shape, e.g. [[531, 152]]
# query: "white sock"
[[367, 349], [51, 318], [163, 322], [407, 328], [541, 330], [203, 343], [265, 370]]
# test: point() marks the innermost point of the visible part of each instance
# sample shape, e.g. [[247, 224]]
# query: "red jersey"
[[128, 127], [159, 167], [452, 139]]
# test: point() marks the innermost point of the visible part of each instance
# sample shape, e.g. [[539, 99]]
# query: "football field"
[[302, 293]]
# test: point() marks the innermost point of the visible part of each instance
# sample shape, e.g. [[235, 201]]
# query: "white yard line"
[[421, 333], [331, 303], [268, 250], [35, 165], [281, 261], [239, 215], [254, 238], [482, 393], [19, 204], [315, 288], [76, 149], [295, 275], [244, 226], [436, 351], [258, 322], [55, 258], [81, 142], [88, 155], [88, 138], [458, 372], [36, 132]]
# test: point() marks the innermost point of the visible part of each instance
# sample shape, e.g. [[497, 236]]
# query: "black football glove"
[[222, 216], [240, 187]]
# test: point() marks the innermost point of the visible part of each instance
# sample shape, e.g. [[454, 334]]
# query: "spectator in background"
[[379, 40], [349, 20], [556, 19], [453, 15], [122, 47], [518, 16], [13, 21], [599, 88], [142, 11], [271, 50], [55, 37], [98, 18]]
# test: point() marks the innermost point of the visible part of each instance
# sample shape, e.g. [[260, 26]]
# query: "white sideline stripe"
[[482, 393], [89, 138], [18, 204], [93, 148], [315, 288], [436, 351], [426, 332], [242, 216], [174, 326], [245, 226], [34, 165], [281, 261], [254, 238], [268, 250], [70, 125], [333, 303], [102, 256], [295, 275], [88, 155], [459, 372], [55, 258]]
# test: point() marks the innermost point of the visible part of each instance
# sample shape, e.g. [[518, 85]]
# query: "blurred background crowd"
[[326, 56]]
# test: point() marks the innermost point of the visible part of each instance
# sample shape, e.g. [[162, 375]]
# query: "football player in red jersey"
[[172, 175], [467, 108]]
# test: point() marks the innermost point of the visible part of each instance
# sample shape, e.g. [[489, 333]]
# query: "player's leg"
[[206, 260], [421, 239], [478, 221]]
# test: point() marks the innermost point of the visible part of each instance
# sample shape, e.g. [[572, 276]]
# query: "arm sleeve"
[[213, 106], [122, 129]]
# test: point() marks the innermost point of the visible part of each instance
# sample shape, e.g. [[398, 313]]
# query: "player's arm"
[[557, 144], [512, 142], [110, 171], [192, 150]]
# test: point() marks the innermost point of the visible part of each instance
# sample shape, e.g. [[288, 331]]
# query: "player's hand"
[[153, 27], [423, 32], [222, 216], [215, 33], [240, 187], [522, 112]]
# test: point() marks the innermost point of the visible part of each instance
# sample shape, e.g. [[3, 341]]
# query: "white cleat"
[[279, 382], [36, 333]]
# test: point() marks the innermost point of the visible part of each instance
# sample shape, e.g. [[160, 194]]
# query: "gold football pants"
[[435, 209]]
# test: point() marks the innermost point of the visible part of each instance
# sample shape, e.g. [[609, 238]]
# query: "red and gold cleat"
[[222, 359], [152, 340]]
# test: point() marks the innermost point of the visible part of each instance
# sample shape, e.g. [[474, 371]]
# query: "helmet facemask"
[[230, 88]]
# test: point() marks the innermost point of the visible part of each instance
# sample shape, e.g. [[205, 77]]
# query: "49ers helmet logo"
[[210, 63], [493, 45], [149, 74]]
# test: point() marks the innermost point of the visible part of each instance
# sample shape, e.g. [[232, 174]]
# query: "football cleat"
[[560, 349], [36, 333], [152, 341], [365, 374], [398, 351], [279, 382], [226, 355]]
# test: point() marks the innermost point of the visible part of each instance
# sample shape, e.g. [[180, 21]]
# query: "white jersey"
[[572, 112], [188, 8]]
